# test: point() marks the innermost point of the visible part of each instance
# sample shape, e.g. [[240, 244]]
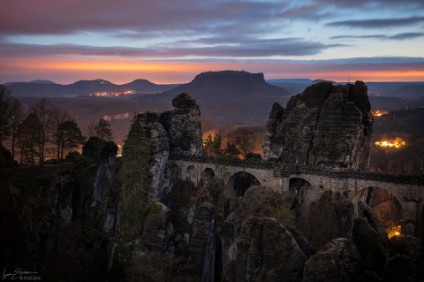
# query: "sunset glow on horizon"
[[69, 71], [170, 42]]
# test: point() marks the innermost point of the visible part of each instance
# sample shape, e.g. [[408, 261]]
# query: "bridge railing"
[[260, 164], [285, 170]]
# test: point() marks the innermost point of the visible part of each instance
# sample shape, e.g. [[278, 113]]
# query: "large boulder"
[[258, 239], [370, 238], [338, 261], [405, 259], [325, 219], [267, 251], [327, 125]]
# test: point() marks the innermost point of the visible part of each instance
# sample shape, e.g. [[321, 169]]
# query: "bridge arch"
[[208, 174], [191, 173], [387, 207], [304, 194], [239, 182]]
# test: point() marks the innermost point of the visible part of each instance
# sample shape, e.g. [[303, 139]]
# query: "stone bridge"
[[409, 190]]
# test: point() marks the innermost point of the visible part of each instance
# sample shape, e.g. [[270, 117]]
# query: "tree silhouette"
[[16, 116], [26, 142], [69, 136], [102, 130], [4, 114], [45, 126], [244, 138], [231, 150]]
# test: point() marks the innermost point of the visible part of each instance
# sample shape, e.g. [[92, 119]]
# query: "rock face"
[[159, 148], [201, 252], [105, 172], [326, 125], [370, 239], [326, 218], [184, 127], [338, 261], [173, 132], [257, 244], [267, 251], [405, 259], [154, 232]]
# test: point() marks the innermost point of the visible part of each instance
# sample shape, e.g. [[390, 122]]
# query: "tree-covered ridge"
[[406, 120]]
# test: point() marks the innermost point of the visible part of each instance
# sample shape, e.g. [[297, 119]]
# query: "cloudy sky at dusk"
[[172, 41]]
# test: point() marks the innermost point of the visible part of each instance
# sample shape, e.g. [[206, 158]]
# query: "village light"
[[397, 143]]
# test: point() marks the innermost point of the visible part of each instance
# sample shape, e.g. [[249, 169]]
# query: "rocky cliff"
[[327, 125], [173, 132]]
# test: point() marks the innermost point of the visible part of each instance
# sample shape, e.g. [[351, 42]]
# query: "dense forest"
[[406, 124]]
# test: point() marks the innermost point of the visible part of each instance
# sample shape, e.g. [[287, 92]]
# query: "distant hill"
[[229, 85], [292, 85], [229, 96], [43, 88], [43, 81], [412, 90], [399, 89]]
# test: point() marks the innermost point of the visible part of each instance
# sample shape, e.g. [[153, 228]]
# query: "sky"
[[168, 41]]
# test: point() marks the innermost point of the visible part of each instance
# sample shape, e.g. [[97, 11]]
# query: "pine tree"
[[103, 131], [68, 136]]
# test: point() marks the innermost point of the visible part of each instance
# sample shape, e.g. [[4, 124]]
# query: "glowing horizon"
[[119, 72]]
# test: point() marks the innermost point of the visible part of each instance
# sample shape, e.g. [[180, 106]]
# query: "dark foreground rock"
[[338, 261]]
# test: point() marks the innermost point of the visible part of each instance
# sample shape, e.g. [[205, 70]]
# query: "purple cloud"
[[399, 36], [244, 48], [378, 23]]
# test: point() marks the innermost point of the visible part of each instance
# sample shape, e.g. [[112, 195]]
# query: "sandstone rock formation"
[[185, 130], [105, 173], [174, 132], [338, 261], [405, 259], [327, 125], [257, 244]]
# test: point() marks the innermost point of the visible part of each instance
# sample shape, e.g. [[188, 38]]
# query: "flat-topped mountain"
[[229, 85], [39, 88], [228, 96]]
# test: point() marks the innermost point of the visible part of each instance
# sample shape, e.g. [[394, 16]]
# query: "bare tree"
[[16, 116], [245, 138], [4, 114], [49, 118], [58, 116], [26, 142]]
